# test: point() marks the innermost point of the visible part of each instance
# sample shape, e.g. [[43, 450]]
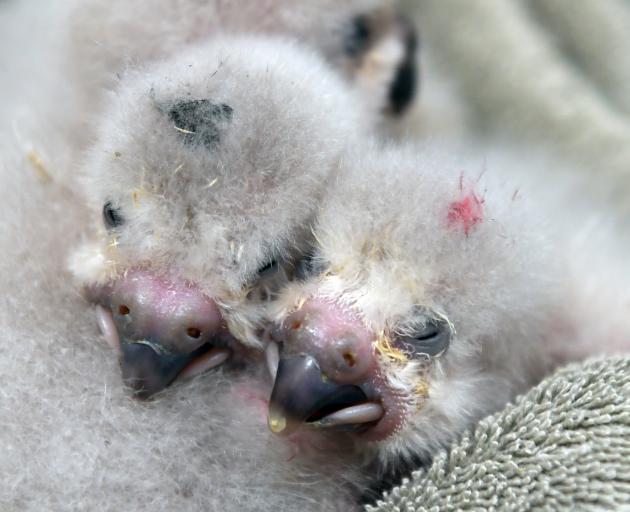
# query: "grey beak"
[[302, 394], [148, 367]]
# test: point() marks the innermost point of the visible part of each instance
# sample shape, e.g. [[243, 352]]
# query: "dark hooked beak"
[[303, 395], [148, 367]]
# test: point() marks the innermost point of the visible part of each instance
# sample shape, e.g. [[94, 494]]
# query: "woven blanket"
[[565, 445]]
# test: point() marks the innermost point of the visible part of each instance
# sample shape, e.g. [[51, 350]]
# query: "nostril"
[[123, 309], [346, 359], [193, 332], [350, 359]]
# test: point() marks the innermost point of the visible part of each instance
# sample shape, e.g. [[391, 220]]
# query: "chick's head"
[[205, 174], [423, 305]]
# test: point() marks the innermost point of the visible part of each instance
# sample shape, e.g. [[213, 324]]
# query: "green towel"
[[563, 446], [548, 73]]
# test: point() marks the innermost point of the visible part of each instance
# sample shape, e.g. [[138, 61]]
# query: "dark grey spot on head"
[[200, 121]]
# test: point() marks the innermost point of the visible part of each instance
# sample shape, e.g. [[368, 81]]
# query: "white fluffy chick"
[[207, 169], [73, 440], [366, 41], [431, 297]]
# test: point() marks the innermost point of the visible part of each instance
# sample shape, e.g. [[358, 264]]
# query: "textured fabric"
[[551, 73], [563, 446]]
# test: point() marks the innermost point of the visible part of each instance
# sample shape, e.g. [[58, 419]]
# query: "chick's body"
[[207, 169], [74, 440], [435, 293]]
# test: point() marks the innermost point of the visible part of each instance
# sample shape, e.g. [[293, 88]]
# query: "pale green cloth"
[[565, 445], [553, 74]]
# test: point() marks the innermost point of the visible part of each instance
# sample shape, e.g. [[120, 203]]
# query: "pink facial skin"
[[328, 375], [336, 338], [162, 328], [175, 312]]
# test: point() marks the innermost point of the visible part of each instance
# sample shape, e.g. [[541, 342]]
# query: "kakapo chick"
[[205, 173], [368, 43], [434, 293]]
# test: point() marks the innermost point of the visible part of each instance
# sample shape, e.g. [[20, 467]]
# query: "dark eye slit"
[[272, 265], [304, 267], [432, 338], [112, 216], [428, 335]]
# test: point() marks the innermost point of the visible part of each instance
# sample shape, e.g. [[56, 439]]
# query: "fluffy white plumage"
[[218, 207], [408, 237], [74, 440], [104, 39], [215, 213], [71, 436]]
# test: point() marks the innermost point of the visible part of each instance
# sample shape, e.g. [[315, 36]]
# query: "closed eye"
[[268, 269], [268, 280], [304, 266], [308, 265], [431, 338], [430, 332], [112, 216]]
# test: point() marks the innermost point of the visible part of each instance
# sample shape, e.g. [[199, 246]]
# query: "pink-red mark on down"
[[466, 212]]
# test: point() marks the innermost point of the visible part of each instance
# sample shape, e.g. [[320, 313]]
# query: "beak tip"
[[146, 371], [277, 423]]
